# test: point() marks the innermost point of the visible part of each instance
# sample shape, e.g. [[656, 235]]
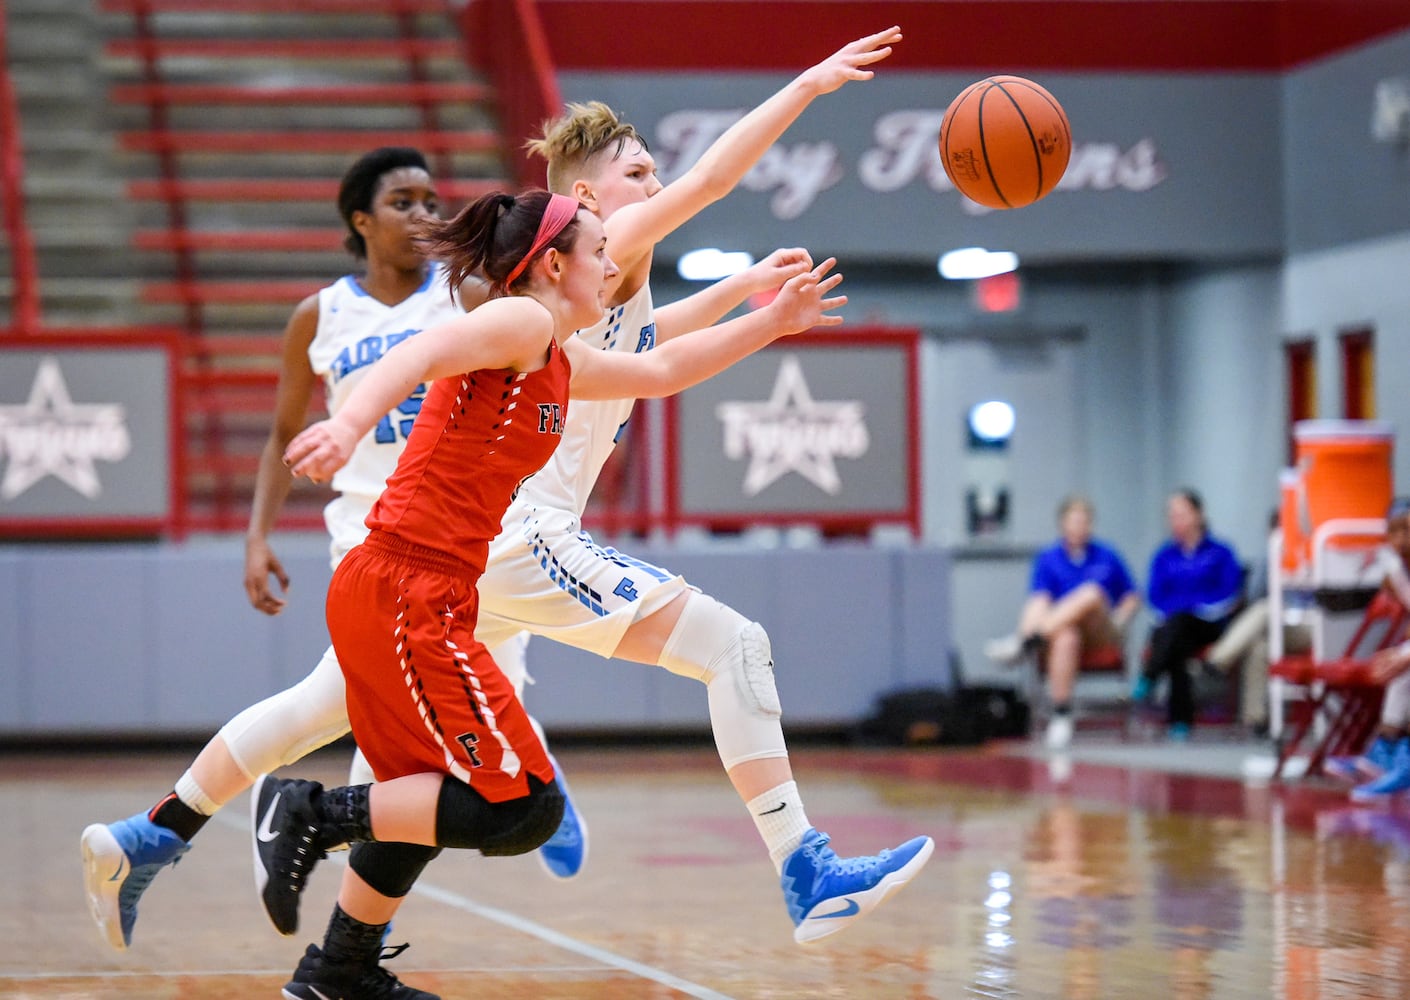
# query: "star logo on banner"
[[792, 432], [51, 435]]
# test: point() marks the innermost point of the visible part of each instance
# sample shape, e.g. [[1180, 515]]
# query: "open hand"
[[802, 303], [775, 269], [851, 61], [320, 450]]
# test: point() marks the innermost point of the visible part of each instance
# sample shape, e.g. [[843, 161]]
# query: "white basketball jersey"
[[594, 425], [354, 331]]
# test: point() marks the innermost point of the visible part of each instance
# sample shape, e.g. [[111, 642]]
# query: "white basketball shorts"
[[547, 576]]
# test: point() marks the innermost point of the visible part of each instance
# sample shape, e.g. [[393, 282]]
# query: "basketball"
[[1005, 142]]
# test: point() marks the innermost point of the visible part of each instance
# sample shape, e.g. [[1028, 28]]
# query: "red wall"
[[982, 35]]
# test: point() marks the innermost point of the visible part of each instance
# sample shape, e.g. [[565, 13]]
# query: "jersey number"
[[388, 430]]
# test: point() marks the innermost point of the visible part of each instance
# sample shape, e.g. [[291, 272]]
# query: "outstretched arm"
[[801, 304], [633, 230], [707, 306], [272, 480], [504, 333]]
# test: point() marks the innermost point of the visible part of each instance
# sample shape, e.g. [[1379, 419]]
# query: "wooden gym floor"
[[1086, 880]]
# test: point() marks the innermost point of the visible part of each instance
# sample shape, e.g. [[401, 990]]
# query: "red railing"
[[507, 41], [24, 316]]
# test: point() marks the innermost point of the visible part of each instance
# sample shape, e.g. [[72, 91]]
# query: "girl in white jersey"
[[548, 576], [333, 337]]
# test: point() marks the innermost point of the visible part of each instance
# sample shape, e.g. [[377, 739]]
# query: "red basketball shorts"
[[423, 695]]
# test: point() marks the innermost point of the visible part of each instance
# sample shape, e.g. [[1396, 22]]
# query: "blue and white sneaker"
[[119, 862], [1372, 764], [563, 854], [826, 894], [1393, 782]]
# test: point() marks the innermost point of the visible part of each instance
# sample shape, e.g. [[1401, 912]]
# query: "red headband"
[[559, 212]]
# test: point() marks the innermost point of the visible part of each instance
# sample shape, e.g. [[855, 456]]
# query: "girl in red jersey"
[[457, 761]]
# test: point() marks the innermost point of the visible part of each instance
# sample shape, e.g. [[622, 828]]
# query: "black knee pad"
[[391, 869], [465, 819]]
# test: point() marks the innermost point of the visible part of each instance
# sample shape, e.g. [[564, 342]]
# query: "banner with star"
[[818, 429], [86, 436]]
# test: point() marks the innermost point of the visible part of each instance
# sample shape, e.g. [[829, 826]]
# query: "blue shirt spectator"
[[1057, 574], [1195, 586], [1205, 581]]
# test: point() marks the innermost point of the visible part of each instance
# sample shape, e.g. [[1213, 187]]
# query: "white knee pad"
[[296, 721], [717, 645]]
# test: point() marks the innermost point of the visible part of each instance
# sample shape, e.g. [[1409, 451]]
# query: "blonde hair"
[[572, 139]]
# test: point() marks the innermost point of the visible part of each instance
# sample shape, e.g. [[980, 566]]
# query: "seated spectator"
[[1195, 587], [1244, 646], [1080, 598], [1387, 761]]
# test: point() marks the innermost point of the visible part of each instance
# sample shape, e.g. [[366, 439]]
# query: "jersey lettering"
[[646, 340], [469, 741], [388, 430], [625, 590], [366, 351], [551, 418]]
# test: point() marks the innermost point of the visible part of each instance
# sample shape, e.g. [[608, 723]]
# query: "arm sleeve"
[[1040, 581], [1122, 584], [1158, 588], [1232, 575]]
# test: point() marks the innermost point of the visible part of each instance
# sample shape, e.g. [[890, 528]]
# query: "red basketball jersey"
[[475, 440]]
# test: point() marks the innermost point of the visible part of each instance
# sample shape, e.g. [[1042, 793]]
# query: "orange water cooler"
[[1343, 470]]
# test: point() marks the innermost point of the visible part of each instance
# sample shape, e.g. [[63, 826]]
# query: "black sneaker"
[[285, 842], [316, 979]]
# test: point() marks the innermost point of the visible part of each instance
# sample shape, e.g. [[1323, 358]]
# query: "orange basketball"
[[1005, 142]]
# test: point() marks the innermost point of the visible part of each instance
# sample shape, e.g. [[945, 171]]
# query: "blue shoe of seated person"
[[1393, 782], [563, 854], [1372, 764], [826, 894], [1141, 692], [119, 862]]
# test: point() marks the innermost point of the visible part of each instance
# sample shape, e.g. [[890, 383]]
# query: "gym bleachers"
[[232, 124]]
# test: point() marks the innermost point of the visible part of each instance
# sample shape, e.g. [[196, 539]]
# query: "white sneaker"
[[1007, 651], [1059, 732]]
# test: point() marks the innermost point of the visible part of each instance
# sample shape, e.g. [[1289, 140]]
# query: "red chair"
[[1341, 693]]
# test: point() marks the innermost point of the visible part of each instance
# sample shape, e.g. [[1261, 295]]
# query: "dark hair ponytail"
[[491, 235]]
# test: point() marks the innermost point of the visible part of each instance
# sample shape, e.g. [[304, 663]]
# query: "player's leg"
[[563, 854], [697, 636], [121, 859], [426, 701], [561, 585], [381, 873]]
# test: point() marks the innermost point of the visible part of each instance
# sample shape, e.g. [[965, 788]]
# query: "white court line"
[[526, 926]]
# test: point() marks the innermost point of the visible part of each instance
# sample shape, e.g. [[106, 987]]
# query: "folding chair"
[[1343, 702]]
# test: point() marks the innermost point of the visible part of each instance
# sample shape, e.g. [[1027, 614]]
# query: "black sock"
[[1034, 643], [1062, 708], [351, 942], [344, 815], [177, 817]]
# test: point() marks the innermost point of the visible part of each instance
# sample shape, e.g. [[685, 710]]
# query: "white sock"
[[193, 795], [779, 816]]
